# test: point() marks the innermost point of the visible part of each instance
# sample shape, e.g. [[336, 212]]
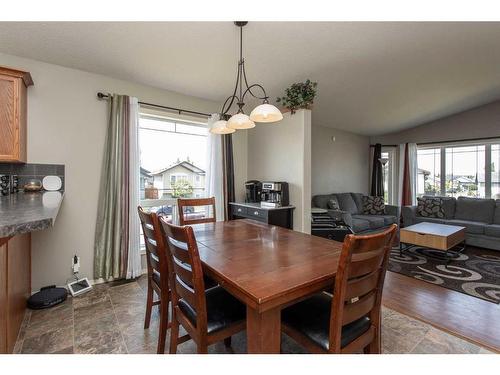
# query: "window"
[[388, 164], [469, 170]]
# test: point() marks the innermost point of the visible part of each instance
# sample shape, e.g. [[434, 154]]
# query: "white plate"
[[51, 183]]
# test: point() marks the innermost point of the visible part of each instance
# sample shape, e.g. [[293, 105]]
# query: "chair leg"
[[149, 306], [202, 348], [174, 334], [227, 342], [375, 345], [163, 325]]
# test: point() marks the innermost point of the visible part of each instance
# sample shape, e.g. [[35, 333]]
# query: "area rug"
[[475, 272]]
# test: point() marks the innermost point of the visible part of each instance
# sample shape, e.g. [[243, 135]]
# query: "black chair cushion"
[[312, 318], [222, 309]]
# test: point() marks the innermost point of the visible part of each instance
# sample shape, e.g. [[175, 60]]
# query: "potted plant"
[[299, 95]]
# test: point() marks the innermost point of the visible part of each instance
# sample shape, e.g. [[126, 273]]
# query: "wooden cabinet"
[[13, 114], [281, 216], [15, 287]]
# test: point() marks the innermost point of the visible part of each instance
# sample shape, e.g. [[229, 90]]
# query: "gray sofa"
[[351, 212], [480, 217]]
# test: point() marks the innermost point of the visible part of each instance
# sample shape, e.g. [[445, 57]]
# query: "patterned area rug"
[[475, 272]]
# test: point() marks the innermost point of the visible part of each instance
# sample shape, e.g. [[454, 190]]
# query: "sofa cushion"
[[389, 219], [472, 227], [358, 199], [373, 205], [430, 207], [360, 225], [475, 209], [333, 203], [374, 220], [346, 202], [496, 216], [420, 219], [448, 203], [321, 201], [492, 230]]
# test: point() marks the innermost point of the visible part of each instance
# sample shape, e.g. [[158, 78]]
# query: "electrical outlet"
[[75, 263]]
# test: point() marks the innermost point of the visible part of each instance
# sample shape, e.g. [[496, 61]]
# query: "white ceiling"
[[373, 78]]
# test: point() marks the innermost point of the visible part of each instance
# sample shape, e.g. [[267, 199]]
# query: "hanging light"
[[264, 112], [220, 127]]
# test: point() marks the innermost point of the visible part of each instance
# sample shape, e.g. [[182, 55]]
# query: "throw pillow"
[[373, 205], [430, 207], [333, 204]]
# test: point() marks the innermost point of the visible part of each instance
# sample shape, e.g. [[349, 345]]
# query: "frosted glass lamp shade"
[[240, 121], [220, 127], [266, 113]]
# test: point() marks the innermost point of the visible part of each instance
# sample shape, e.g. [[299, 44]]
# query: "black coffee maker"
[[253, 189]]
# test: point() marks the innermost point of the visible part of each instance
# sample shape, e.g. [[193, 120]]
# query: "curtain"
[[228, 170], [407, 191], [116, 248], [214, 181], [377, 188]]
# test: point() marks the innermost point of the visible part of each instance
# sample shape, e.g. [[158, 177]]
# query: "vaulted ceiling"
[[373, 78]]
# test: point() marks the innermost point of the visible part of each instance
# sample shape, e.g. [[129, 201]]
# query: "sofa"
[[351, 212], [480, 217]]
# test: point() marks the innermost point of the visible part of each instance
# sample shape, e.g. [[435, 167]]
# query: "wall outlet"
[[75, 263]]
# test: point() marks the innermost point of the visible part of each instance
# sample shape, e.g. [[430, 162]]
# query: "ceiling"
[[373, 78]]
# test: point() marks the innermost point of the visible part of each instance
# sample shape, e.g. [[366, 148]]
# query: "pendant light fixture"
[[262, 113]]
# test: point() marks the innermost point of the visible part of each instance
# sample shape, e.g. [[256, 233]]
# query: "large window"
[[455, 170], [388, 165]]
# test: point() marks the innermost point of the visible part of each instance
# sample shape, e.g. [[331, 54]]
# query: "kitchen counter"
[[27, 212]]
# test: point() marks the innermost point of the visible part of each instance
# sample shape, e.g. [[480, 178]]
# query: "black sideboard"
[[280, 216]]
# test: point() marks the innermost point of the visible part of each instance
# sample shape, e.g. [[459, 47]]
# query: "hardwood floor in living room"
[[470, 318]]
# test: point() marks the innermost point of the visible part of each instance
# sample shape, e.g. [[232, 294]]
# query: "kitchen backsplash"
[[29, 171]]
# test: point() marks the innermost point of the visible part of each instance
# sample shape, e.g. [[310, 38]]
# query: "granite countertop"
[[28, 212], [257, 205]]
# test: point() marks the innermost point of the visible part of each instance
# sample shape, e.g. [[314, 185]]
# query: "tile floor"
[[110, 319]]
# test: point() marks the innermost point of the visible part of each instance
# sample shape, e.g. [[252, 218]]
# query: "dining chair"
[[196, 202], [157, 264], [209, 315], [348, 322]]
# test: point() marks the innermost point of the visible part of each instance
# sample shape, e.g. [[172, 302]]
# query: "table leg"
[[263, 331]]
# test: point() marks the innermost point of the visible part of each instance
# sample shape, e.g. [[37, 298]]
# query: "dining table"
[[267, 268]]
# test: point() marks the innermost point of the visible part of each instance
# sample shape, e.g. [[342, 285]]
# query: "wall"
[[67, 125], [282, 152], [479, 122], [341, 165]]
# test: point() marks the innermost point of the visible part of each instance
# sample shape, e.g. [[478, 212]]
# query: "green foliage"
[[299, 95], [181, 189]]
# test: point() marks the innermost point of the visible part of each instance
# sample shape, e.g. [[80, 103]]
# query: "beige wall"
[[339, 161], [67, 125], [479, 122], [282, 152]]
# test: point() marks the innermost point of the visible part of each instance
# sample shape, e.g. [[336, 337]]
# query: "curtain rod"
[[103, 96], [451, 141]]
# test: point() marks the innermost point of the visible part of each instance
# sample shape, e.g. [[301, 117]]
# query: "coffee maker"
[[274, 194], [253, 191]]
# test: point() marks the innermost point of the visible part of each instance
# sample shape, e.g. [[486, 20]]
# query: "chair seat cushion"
[[472, 227], [312, 319], [222, 309], [492, 230], [374, 220]]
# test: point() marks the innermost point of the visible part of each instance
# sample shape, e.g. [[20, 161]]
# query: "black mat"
[[475, 272]]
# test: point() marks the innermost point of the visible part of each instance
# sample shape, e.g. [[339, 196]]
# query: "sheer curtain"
[[214, 180]]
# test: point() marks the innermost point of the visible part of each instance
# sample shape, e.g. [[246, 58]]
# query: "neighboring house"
[[146, 180], [181, 170]]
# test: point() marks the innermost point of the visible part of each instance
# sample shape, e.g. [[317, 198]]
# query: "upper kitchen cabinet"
[[13, 114]]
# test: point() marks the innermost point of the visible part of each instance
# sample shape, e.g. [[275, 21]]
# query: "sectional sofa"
[[480, 217], [351, 212]]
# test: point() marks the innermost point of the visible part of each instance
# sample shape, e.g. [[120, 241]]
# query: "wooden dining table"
[[267, 268]]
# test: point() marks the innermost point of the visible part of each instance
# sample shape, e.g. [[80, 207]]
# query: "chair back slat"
[[182, 203], [186, 273], [156, 256], [359, 281]]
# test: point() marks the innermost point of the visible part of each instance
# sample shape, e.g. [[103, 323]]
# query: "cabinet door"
[[3, 295], [10, 140]]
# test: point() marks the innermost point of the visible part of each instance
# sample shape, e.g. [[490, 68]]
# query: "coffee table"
[[441, 237]]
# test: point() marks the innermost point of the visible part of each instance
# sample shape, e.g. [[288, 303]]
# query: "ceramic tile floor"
[[110, 319]]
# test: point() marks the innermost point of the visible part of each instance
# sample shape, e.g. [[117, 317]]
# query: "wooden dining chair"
[[196, 202], [157, 264], [209, 315], [348, 322]]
